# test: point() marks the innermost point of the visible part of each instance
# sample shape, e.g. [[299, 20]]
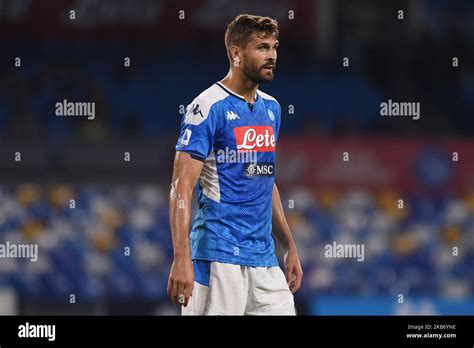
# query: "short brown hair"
[[243, 26]]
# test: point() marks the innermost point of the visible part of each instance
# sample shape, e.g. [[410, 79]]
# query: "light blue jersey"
[[237, 142]]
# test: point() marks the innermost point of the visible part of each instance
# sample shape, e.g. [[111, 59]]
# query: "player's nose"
[[271, 54]]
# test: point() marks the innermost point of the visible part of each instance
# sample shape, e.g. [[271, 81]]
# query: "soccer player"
[[226, 264]]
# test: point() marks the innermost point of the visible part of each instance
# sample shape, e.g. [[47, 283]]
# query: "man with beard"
[[226, 264]]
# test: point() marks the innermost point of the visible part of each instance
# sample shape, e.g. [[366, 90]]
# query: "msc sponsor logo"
[[256, 138], [260, 169]]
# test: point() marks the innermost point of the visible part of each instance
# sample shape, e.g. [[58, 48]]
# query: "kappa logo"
[[232, 116], [197, 111]]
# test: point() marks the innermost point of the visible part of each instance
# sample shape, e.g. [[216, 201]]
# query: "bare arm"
[[281, 230], [186, 172], [282, 233]]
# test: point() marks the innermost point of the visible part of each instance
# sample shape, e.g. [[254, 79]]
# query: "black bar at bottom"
[[452, 331]]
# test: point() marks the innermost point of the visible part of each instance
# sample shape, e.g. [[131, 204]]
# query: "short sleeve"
[[277, 119], [198, 127]]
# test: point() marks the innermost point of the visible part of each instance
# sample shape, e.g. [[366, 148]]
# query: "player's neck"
[[241, 86]]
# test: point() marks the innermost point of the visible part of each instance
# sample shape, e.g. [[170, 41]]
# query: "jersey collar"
[[235, 94]]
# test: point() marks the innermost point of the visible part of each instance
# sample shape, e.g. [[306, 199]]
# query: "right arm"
[[186, 172]]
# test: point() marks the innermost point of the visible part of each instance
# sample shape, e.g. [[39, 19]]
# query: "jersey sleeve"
[[278, 119], [198, 128]]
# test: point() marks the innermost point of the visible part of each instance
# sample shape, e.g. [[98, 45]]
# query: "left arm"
[[281, 231]]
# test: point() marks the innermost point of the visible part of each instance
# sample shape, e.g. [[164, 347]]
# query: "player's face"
[[260, 55]]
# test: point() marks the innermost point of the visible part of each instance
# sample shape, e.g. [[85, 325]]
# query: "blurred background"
[[112, 249]]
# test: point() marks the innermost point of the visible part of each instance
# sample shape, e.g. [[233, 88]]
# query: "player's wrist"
[[182, 255], [290, 248]]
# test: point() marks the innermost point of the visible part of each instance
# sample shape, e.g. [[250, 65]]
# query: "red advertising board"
[[410, 165], [163, 19]]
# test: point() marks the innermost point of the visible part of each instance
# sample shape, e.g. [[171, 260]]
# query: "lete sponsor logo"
[[256, 138]]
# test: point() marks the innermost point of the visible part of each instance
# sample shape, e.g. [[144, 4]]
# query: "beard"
[[257, 74]]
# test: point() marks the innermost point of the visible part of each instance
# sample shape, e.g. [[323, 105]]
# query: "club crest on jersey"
[[255, 138], [271, 115], [232, 116]]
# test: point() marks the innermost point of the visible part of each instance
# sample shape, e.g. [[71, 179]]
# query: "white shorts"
[[227, 289]]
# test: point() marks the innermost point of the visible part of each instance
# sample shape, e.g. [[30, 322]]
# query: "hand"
[[294, 272], [181, 281]]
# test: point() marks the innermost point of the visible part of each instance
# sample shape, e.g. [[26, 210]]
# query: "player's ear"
[[235, 54]]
